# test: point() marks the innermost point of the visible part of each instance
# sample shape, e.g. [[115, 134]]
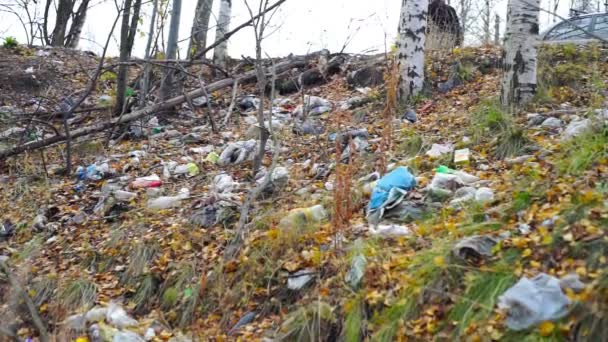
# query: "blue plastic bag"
[[400, 178]]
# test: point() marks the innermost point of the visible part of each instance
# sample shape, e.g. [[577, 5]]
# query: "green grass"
[[353, 322], [477, 302], [181, 294], [44, 290], [146, 293], [490, 122], [170, 297], [580, 153], [308, 323], [78, 293], [10, 42], [139, 260], [411, 144], [389, 319], [512, 141], [31, 248]]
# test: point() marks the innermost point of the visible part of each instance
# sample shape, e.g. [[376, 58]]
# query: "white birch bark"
[[410, 47], [223, 26], [519, 62]]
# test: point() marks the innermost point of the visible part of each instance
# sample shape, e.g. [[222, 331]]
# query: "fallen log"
[[155, 108]]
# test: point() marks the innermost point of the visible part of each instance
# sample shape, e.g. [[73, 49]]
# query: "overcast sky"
[[301, 26]]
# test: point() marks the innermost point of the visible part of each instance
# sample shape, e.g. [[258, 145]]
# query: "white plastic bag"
[[532, 301]]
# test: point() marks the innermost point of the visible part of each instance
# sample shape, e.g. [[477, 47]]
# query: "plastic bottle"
[[166, 202], [124, 196], [152, 181]]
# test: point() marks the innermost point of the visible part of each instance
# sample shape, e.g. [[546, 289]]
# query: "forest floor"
[[74, 246]]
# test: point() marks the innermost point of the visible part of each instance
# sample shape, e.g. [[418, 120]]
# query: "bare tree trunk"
[[519, 64], [146, 77], [497, 30], [487, 18], [410, 46], [45, 23], [200, 26], [64, 10], [167, 84], [77, 23], [223, 24], [121, 81], [63, 34]]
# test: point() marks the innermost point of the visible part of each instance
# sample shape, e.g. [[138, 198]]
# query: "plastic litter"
[[308, 127], [118, 317], [354, 102], [166, 202], [359, 144], [124, 196], [552, 123], [300, 279], [150, 334], [96, 314], [249, 102], [152, 181], [573, 282], [246, 319], [278, 179], [238, 152], [212, 158], [7, 229], [154, 192], [478, 247], [463, 176], [199, 101], [437, 150], [40, 221], [93, 172], [404, 211], [390, 230], [202, 150], [462, 156], [127, 336], [224, 183], [357, 271], [313, 103], [190, 169], [484, 195], [319, 110], [410, 115], [463, 195], [532, 301], [221, 212], [576, 128], [302, 216], [392, 185]]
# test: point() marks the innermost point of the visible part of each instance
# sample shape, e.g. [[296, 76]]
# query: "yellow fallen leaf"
[[527, 252], [568, 237], [439, 261], [546, 328]]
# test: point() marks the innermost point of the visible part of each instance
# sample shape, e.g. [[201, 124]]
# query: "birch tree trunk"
[[410, 47], [200, 26], [77, 25], [223, 25], [167, 83], [519, 62]]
